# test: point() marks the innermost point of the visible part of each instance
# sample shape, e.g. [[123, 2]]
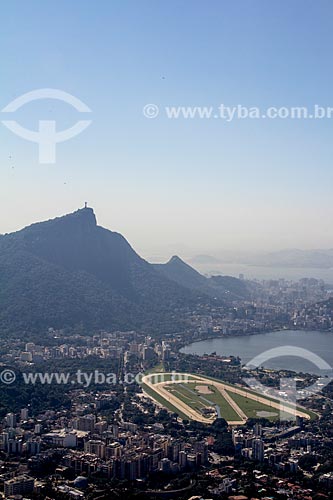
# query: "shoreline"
[[297, 370], [213, 337]]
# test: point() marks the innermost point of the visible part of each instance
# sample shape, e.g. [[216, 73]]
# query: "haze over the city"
[[166, 250], [174, 186]]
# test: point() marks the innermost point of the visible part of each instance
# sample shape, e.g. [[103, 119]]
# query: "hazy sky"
[[199, 185]]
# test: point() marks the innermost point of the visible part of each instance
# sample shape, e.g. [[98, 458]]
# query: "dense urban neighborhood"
[[78, 423]]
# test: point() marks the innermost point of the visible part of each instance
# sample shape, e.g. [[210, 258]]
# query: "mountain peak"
[[175, 259], [69, 272], [82, 218], [86, 214]]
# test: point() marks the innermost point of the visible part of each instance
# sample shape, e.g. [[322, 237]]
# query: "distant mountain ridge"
[[289, 258], [320, 259]]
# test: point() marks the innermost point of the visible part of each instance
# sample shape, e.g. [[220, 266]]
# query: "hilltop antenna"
[[85, 204]]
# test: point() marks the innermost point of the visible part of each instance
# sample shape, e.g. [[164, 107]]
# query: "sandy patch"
[[203, 389], [265, 414]]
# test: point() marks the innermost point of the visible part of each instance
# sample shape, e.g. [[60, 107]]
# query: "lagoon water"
[[247, 347]]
